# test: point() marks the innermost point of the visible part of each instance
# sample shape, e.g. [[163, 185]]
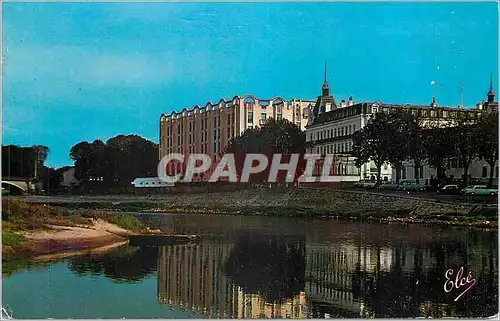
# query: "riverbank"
[[32, 230], [301, 202]]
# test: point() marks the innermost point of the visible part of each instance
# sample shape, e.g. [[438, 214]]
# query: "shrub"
[[10, 238]]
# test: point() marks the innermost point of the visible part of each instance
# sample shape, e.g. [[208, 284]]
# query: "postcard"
[[289, 160]]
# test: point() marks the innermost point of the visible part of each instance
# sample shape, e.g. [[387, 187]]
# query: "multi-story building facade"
[[210, 128], [331, 126]]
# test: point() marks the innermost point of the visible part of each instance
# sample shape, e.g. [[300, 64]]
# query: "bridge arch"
[[13, 188]]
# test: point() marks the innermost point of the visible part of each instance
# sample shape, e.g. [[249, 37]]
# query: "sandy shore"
[[59, 239]]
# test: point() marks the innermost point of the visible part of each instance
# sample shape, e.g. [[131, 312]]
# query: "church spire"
[[326, 81], [325, 88], [491, 93]]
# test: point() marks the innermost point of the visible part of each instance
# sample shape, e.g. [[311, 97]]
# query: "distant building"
[[209, 129], [490, 105], [331, 126], [151, 182], [68, 176], [478, 171]]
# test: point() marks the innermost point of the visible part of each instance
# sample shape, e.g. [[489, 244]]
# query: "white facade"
[[335, 137], [479, 170]]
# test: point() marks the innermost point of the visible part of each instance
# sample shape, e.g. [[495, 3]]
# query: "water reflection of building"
[[191, 277], [331, 273], [340, 280]]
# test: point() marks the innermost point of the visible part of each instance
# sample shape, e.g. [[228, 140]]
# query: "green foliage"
[[13, 210], [374, 142], [20, 161], [275, 136], [487, 139], [125, 221], [120, 160], [11, 238]]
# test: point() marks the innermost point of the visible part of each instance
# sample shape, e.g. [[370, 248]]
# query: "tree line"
[[399, 136], [117, 162], [28, 162]]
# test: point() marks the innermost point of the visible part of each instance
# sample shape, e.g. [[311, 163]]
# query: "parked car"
[[388, 186], [411, 186], [365, 183], [479, 190], [449, 189]]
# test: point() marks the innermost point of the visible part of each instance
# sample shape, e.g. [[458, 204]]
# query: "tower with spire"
[[490, 105], [325, 90], [491, 93], [325, 102]]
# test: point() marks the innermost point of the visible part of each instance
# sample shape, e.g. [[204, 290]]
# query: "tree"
[[399, 134], [120, 160], [23, 161], [373, 142], [52, 179], [439, 147], [487, 141], [274, 137], [270, 266], [416, 150], [87, 159], [464, 140]]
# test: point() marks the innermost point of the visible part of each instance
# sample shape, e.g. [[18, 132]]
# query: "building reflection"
[[192, 277], [250, 278]]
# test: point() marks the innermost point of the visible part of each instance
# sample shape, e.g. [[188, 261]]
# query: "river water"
[[262, 267]]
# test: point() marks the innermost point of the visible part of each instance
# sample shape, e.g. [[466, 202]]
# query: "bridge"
[[17, 185]]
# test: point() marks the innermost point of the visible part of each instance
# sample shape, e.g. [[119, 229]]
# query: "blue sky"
[[83, 71]]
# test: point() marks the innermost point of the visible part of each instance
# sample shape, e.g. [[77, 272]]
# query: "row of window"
[[427, 112], [332, 133], [343, 147], [263, 117], [191, 148], [420, 172]]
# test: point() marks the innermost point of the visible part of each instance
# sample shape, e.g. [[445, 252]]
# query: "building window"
[[279, 117], [353, 128], [484, 171], [403, 172], [445, 113], [263, 118], [250, 117], [496, 171]]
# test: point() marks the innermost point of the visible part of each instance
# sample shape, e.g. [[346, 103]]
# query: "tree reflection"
[[125, 264], [270, 266]]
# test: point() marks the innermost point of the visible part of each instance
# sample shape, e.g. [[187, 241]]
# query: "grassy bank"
[[478, 216], [20, 219]]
